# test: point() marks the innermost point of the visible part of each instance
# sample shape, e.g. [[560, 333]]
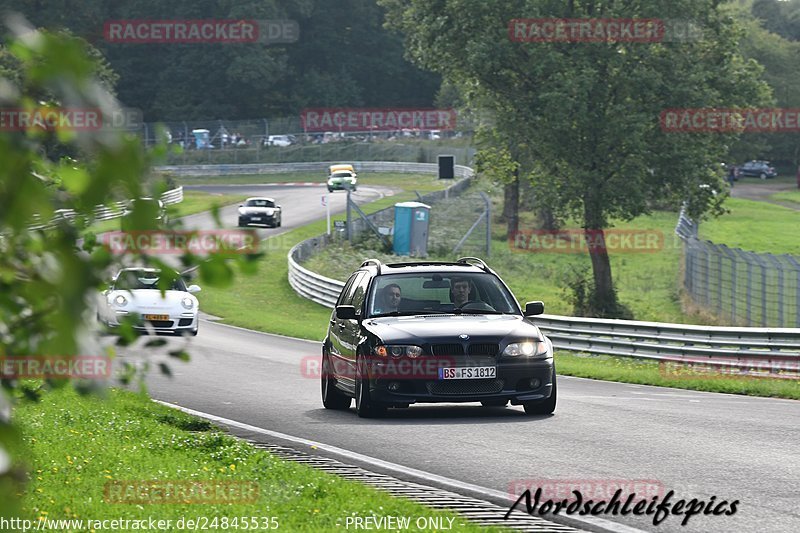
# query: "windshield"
[[142, 279], [260, 203], [431, 293], [342, 175]]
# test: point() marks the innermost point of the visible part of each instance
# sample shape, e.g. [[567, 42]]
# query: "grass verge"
[[756, 227], [95, 461], [645, 372], [420, 182], [788, 196]]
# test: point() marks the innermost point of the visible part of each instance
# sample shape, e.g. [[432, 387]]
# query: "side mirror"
[[241, 205], [193, 288], [534, 308], [346, 312]]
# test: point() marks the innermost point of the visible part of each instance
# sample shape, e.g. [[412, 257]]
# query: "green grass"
[[788, 196], [646, 372], [756, 226], [78, 444]]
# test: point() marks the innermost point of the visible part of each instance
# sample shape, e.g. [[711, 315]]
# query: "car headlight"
[[187, 302], [120, 300], [398, 350], [532, 348]]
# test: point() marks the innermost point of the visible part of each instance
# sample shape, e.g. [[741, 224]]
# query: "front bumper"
[[341, 185], [512, 382], [268, 220], [177, 323]]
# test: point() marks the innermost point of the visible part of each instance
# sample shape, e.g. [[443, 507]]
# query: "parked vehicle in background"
[[280, 140], [760, 169]]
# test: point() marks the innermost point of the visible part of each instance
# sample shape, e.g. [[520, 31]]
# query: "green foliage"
[[588, 113], [49, 280], [344, 57]]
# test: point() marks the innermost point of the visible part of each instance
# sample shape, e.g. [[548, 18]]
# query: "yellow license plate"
[[156, 317]]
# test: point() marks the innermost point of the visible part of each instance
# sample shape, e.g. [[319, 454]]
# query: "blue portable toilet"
[[411, 220], [201, 138]]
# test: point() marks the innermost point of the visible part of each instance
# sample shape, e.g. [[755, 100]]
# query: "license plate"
[[255, 218], [156, 317], [468, 372]]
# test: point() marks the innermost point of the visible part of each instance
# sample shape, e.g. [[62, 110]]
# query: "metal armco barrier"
[[102, 212], [318, 166]]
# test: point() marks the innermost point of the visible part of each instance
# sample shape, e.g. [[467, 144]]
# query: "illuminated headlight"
[[187, 302], [398, 350], [120, 300], [526, 349]]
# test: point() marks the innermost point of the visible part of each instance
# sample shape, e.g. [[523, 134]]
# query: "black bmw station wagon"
[[404, 333]]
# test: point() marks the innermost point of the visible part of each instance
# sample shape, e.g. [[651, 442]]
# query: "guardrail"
[[102, 212], [321, 167]]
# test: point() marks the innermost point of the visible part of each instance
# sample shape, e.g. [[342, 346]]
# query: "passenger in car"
[[390, 298]]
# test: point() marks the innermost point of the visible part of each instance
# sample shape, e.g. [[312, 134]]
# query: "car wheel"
[[330, 190], [494, 403], [280, 221], [763, 176], [332, 398], [365, 407], [543, 407], [195, 330]]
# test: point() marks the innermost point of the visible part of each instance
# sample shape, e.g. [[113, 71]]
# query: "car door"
[[351, 336], [338, 334]]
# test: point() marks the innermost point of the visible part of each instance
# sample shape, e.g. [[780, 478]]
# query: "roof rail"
[[474, 261], [374, 262]]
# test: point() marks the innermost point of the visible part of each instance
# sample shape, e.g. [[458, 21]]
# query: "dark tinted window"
[[141, 279], [260, 203], [346, 296]]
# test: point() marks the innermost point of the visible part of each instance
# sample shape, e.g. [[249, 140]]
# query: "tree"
[[589, 112]]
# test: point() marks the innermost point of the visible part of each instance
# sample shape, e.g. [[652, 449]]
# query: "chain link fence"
[[252, 141], [743, 287]]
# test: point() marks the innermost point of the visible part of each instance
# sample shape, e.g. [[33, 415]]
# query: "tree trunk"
[[603, 300], [511, 205]]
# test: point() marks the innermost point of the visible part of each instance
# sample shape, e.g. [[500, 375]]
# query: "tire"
[[494, 403], [332, 398], [195, 330], [365, 407], [280, 221], [543, 407]]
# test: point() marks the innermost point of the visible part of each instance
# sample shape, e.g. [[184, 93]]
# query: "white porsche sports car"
[[136, 291], [260, 210]]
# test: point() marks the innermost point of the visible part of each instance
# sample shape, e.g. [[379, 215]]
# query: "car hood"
[[269, 211], [433, 329], [151, 299]]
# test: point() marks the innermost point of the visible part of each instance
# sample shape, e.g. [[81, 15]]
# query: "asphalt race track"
[[698, 444]]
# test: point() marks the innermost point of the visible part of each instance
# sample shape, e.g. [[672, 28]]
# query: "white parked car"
[[135, 291], [260, 210], [279, 140]]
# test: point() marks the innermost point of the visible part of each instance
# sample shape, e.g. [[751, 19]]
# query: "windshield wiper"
[[406, 313]]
